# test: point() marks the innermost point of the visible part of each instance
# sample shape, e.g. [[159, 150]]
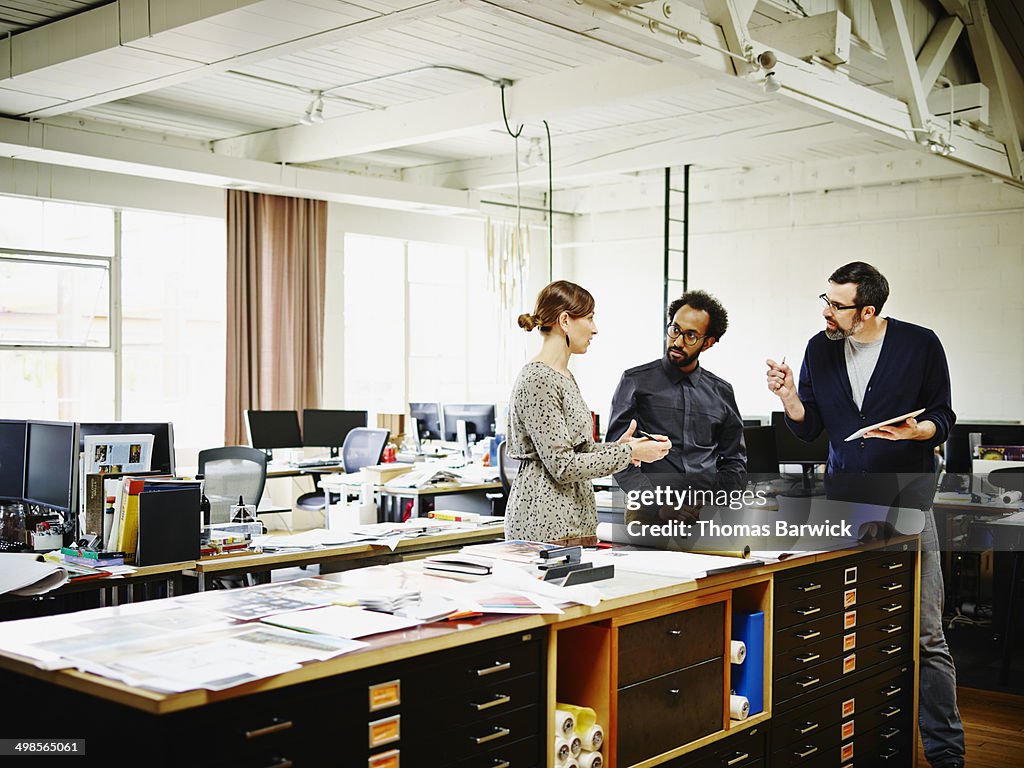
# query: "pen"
[[649, 436]]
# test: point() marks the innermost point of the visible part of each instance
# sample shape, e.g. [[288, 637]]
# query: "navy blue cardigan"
[[911, 373]]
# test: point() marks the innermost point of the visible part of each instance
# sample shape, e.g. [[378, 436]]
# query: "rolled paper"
[[575, 745], [564, 722], [745, 552], [739, 707], [571, 763], [562, 749], [1010, 497], [593, 738], [737, 651], [584, 716], [590, 759]]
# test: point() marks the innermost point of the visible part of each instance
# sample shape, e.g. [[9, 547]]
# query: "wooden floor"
[[994, 729]]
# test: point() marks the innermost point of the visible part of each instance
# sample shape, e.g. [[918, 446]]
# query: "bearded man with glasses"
[[881, 369], [677, 397]]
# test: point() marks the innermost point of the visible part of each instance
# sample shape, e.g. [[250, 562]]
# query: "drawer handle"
[[890, 753], [808, 634], [807, 682], [890, 628], [806, 728], [809, 587], [892, 690], [890, 712], [499, 733], [891, 607], [497, 701], [808, 751], [674, 691], [739, 757], [809, 611], [281, 762], [675, 632], [889, 650], [499, 763], [499, 666], [890, 733], [892, 586], [275, 727], [892, 565], [808, 658]]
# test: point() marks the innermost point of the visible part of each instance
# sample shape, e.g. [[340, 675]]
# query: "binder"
[[748, 677], [168, 526]]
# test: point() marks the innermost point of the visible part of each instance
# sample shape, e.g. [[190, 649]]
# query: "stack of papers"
[[29, 574], [388, 600], [341, 621], [460, 563]]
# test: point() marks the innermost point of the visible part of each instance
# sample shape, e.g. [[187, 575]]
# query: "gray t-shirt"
[[861, 359]]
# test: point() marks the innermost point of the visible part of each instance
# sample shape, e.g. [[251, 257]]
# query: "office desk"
[[391, 499], [286, 470], [341, 557], [483, 692]]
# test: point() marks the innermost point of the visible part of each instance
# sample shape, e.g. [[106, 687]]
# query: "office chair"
[[508, 468], [363, 447], [231, 472]]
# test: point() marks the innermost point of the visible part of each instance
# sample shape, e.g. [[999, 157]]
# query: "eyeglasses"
[[836, 307], [690, 338]]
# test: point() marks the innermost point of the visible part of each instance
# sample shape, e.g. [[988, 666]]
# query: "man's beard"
[[687, 359], [840, 334]]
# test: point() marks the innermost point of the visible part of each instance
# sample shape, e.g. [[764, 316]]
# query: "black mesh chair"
[[232, 472], [508, 468]]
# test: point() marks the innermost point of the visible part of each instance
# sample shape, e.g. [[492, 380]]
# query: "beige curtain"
[[277, 256]]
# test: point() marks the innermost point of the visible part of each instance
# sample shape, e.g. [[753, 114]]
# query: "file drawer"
[[799, 636], [670, 710], [895, 629], [812, 608], [676, 640], [807, 656], [475, 705], [890, 587], [835, 577], [523, 753], [744, 749], [881, 564]]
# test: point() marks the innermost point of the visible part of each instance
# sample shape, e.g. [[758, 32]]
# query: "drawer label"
[[849, 642], [850, 663], [387, 759], [384, 695], [849, 707], [847, 732], [849, 620], [385, 731], [847, 752], [850, 575], [849, 598]]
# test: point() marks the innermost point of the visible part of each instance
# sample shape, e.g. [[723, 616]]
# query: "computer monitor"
[[762, 452], [428, 419], [958, 449], [328, 429], [51, 462], [162, 459], [793, 450], [273, 429], [12, 459], [479, 418]]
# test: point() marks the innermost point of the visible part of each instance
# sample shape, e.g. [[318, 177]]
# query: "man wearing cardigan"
[[862, 369]]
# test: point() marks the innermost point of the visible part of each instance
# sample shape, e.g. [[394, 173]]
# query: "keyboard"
[[308, 463]]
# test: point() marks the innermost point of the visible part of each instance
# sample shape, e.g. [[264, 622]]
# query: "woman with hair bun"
[[550, 429]]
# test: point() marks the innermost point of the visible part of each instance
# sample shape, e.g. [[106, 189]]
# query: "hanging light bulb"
[[771, 83], [307, 116], [318, 112], [535, 154]]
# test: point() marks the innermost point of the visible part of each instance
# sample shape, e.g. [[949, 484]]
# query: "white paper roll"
[[1010, 497], [575, 745], [739, 707], [593, 738], [562, 749], [589, 759], [571, 763], [737, 651], [564, 722]]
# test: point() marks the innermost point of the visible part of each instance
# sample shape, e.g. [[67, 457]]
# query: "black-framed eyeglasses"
[[690, 338], [827, 302]]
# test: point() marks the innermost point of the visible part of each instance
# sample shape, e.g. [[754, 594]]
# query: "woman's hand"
[[648, 450]]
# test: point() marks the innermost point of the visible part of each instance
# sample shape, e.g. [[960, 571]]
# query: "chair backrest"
[[230, 472], [1007, 478], [508, 467], [363, 447]]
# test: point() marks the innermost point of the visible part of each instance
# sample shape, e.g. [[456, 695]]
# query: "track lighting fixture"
[[315, 111], [770, 83], [767, 60]]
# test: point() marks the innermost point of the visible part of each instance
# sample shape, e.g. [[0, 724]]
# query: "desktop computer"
[[792, 450], [478, 418], [273, 429], [328, 429]]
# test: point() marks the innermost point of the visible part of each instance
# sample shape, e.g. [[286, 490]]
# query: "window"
[[421, 324], [61, 345]]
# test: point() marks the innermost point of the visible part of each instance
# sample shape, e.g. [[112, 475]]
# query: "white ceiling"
[[242, 79]]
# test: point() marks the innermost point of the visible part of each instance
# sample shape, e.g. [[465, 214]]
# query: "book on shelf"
[[93, 562]]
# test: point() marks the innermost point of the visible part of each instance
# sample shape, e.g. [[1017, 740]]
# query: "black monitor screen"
[[793, 450], [958, 449], [328, 429], [51, 455], [274, 429], [479, 420], [428, 419], [762, 451], [12, 459], [162, 459]]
